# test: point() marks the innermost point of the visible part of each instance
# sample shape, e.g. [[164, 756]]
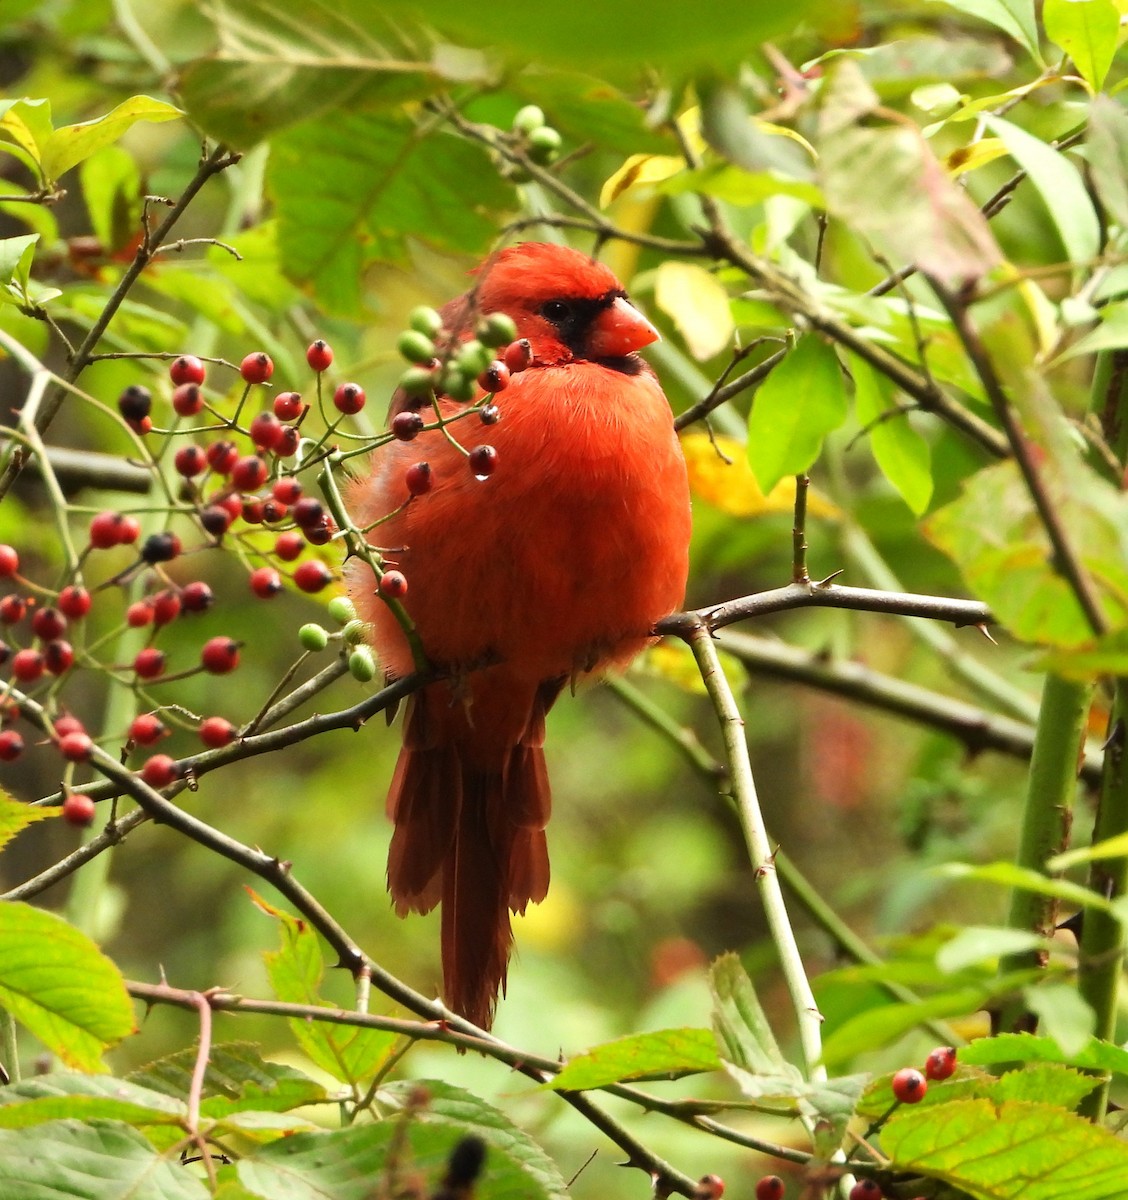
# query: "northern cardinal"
[[555, 566]]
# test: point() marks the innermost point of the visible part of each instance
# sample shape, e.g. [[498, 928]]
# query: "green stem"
[[1047, 817], [11, 1051]]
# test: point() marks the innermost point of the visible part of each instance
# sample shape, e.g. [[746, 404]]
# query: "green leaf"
[[981, 943], [1062, 1014], [57, 983], [274, 69], [900, 452], [1087, 31], [346, 1052], [60, 1095], [1060, 185], [94, 1160], [16, 254], [1010, 875], [1113, 847], [1013, 17], [1106, 145], [111, 187], [454, 1106], [737, 186], [68, 146], [1090, 660], [1110, 334], [666, 1054], [697, 303], [25, 125], [798, 404], [740, 1026], [353, 191], [1025, 1047], [919, 214], [1013, 1151], [15, 815]]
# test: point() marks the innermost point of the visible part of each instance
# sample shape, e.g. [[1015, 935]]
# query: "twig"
[[722, 394], [196, 1084], [799, 573]]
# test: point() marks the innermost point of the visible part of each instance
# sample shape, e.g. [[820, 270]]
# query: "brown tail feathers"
[[469, 833]]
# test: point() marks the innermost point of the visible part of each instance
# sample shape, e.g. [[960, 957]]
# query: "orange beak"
[[619, 330]]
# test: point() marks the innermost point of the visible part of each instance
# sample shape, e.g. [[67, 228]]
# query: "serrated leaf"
[[94, 1160], [697, 303], [1059, 184], [1013, 1151], [901, 453], [57, 983], [744, 1036], [1106, 143], [1087, 31], [798, 404], [1014, 17], [348, 1053], [68, 146], [61, 1095], [355, 190], [1026, 1047], [665, 1054], [15, 816]]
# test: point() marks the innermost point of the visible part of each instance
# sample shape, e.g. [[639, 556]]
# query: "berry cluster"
[[532, 136]]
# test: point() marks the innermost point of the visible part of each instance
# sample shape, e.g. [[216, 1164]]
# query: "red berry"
[[273, 512], [265, 582], [190, 460], [68, 724], [74, 602], [495, 378], [11, 745], [319, 355], [288, 406], [712, 1187], [407, 425], [866, 1189], [483, 461], [313, 575], [188, 400], [186, 369], [257, 367], [287, 489], [129, 530], [220, 655], [253, 510], [289, 545], [196, 597], [146, 729], [349, 398], [308, 511], [319, 534], [941, 1063], [249, 473], [76, 746], [419, 478], [166, 607], [105, 530], [12, 609], [288, 441], [9, 561], [216, 520], [159, 771], [27, 665], [160, 547], [149, 662], [222, 456], [78, 809], [48, 623], [265, 430], [58, 656], [233, 503], [518, 356], [135, 403], [393, 585], [139, 614], [909, 1085], [489, 414], [216, 732]]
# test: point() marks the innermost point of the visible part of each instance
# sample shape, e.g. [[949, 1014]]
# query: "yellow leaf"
[[732, 487], [978, 154], [698, 305], [640, 170]]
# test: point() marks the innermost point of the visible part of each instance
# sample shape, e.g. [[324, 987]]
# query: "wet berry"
[[483, 461], [407, 425], [495, 378], [253, 510], [518, 356], [419, 478]]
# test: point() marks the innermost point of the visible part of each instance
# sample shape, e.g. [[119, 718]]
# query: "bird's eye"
[[556, 311]]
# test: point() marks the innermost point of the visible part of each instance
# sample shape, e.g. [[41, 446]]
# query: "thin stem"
[[799, 533], [762, 855], [196, 1084], [11, 1060]]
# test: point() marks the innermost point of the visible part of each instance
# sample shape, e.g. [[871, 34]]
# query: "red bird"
[[556, 566]]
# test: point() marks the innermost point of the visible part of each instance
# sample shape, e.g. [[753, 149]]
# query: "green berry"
[[313, 637], [496, 330], [544, 145], [341, 609], [362, 666], [473, 358], [425, 320], [528, 119], [417, 381], [416, 347], [354, 633], [458, 386]]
